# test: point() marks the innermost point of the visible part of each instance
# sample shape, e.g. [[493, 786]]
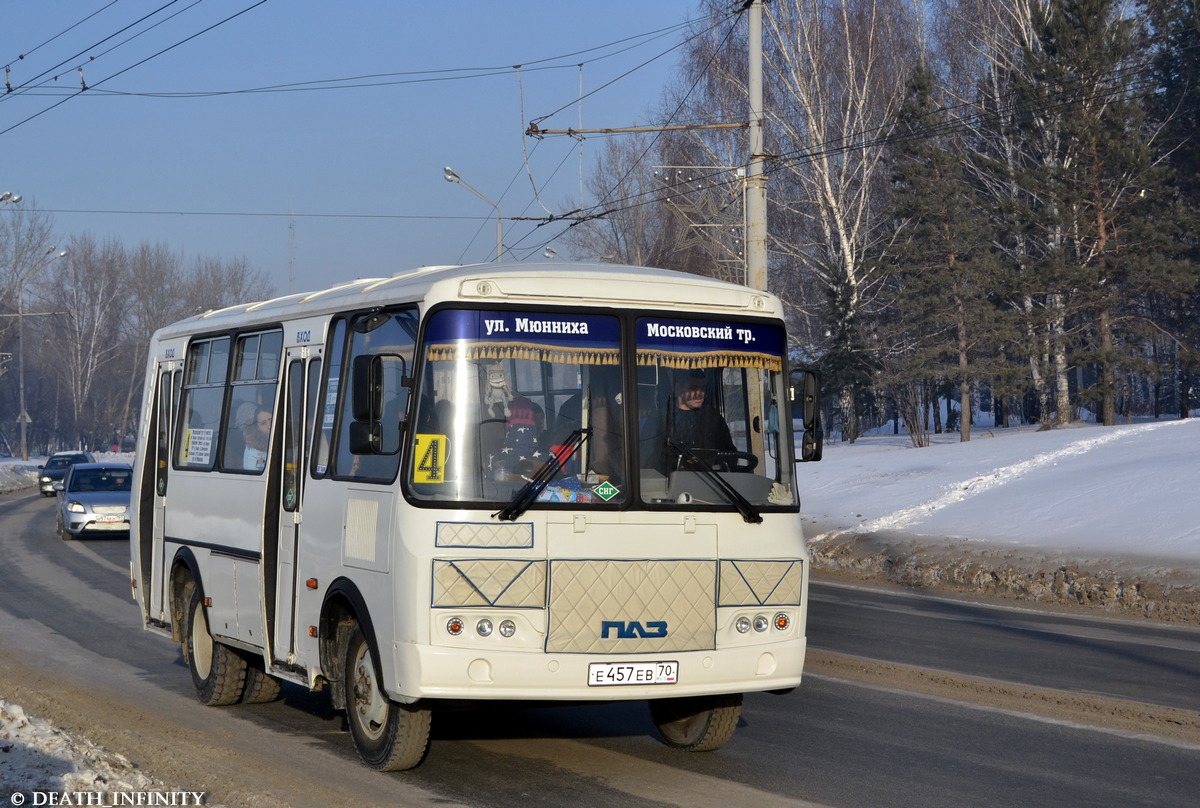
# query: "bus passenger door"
[[301, 377], [152, 495]]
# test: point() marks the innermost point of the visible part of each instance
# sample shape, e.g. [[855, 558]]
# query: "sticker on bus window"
[[429, 454], [197, 449]]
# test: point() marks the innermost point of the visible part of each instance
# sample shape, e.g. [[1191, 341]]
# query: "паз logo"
[[654, 629]]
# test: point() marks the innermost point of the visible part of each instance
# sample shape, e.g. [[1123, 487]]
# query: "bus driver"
[[692, 423]]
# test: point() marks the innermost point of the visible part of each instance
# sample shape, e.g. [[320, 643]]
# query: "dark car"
[[94, 498], [56, 468]]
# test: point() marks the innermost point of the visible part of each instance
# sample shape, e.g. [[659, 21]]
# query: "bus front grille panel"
[[507, 583], [640, 606], [761, 583]]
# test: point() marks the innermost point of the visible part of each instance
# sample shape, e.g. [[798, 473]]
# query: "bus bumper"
[[428, 672]]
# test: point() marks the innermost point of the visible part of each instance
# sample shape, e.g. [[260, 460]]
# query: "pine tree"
[[1176, 108], [941, 323], [1089, 172]]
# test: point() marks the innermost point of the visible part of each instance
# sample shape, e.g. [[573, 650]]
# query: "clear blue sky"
[[174, 151]]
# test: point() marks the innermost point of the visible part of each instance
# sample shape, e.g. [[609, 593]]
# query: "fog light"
[[742, 625], [507, 628], [761, 623], [455, 626], [782, 621], [484, 628]]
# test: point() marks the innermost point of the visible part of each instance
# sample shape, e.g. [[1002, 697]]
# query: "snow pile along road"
[[1086, 515], [37, 757]]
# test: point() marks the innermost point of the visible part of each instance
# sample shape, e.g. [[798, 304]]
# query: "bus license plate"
[[606, 674]]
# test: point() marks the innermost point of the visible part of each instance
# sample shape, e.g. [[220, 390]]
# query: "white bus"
[[553, 482]]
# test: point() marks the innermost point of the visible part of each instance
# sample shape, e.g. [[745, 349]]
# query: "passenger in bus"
[[257, 434], [691, 423]]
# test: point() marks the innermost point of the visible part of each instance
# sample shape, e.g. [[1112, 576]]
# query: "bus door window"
[[324, 430], [372, 405], [167, 398], [293, 424]]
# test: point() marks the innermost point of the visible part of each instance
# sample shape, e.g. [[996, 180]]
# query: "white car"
[[94, 498]]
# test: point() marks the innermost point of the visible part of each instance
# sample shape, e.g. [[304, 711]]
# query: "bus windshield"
[[709, 397], [502, 395], [509, 397]]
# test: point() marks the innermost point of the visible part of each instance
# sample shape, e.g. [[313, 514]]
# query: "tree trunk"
[[1108, 404], [1058, 340]]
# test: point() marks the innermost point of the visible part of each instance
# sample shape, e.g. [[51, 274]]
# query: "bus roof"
[[540, 282]]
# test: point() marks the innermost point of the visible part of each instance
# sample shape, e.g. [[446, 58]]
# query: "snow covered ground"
[[1128, 490], [1083, 491]]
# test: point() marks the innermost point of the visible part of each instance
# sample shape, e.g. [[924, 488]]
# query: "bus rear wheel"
[[218, 672], [388, 736], [261, 687], [697, 723]]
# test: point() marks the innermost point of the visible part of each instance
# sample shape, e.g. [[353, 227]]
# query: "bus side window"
[[202, 396]]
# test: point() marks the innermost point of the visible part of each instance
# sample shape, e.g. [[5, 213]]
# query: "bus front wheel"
[[697, 723], [388, 736], [218, 672]]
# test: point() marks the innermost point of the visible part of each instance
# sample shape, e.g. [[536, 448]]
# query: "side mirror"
[[57, 485], [366, 387], [379, 385], [806, 394], [366, 437]]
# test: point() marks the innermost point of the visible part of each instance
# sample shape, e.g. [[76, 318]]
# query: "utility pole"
[[756, 179]]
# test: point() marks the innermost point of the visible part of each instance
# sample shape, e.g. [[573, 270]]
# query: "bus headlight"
[[484, 628], [742, 625], [761, 623], [507, 628]]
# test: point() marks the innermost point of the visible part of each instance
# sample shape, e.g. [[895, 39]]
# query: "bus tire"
[[261, 687], [697, 723], [389, 736], [218, 672]]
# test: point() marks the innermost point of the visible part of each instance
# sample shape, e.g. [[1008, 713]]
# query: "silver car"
[[94, 498]]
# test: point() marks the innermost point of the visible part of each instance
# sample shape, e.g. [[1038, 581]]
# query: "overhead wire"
[[50, 71], [30, 51], [138, 63], [886, 134]]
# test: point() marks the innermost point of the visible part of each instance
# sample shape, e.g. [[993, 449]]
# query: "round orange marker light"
[[782, 621], [455, 626]]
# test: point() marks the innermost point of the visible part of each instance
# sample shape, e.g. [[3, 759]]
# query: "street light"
[[450, 175], [8, 197], [24, 418]]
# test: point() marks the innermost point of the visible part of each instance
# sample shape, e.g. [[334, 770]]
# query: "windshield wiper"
[[530, 491], [694, 463]]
